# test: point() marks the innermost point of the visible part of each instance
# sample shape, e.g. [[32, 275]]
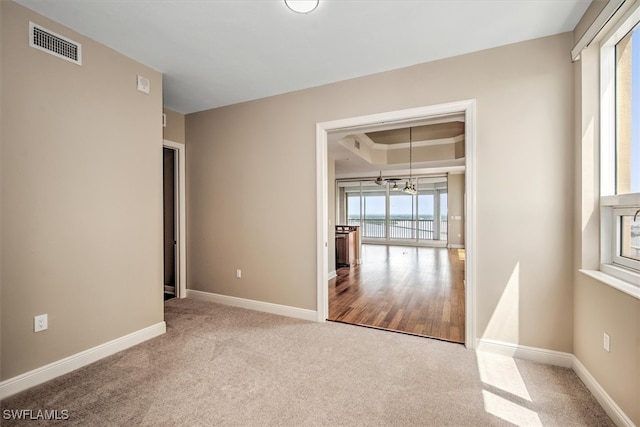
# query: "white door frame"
[[468, 108], [181, 218]]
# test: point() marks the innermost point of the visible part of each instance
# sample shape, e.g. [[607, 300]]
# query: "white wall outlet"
[[607, 342], [238, 273], [40, 323]]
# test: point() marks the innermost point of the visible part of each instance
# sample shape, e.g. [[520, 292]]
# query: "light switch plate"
[[144, 85]]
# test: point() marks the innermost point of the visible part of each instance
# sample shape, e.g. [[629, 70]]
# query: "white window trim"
[[607, 278], [616, 257], [624, 279]]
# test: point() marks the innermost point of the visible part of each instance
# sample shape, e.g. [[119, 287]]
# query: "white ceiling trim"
[[363, 138], [425, 168]]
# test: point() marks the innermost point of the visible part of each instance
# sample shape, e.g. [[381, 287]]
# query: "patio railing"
[[400, 229]]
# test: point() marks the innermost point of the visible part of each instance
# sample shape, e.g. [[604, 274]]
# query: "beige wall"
[[599, 308], [455, 208], [420, 154], [174, 129], [524, 96], [81, 197]]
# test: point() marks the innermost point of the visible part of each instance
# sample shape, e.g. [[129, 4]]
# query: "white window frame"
[[611, 204], [387, 239], [617, 258]]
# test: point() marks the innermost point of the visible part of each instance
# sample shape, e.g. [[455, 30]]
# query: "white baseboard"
[[565, 360], [267, 307], [550, 357], [332, 274], [616, 414], [78, 360]]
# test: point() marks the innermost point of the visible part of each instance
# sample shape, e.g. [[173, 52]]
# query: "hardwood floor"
[[407, 289]]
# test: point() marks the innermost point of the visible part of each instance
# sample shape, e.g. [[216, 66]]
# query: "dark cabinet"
[[345, 245]]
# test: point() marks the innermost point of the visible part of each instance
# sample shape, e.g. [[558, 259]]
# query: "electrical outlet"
[[40, 323], [238, 273], [607, 342]]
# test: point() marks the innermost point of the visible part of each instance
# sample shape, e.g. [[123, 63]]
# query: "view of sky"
[[399, 204], [635, 111]]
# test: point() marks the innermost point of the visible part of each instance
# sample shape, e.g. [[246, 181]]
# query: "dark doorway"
[[169, 210]]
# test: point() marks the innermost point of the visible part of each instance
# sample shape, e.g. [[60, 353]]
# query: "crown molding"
[[364, 139]]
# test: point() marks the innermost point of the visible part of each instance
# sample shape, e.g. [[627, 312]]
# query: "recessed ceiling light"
[[302, 6]]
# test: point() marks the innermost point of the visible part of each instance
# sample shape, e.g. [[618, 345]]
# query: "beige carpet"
[[220, 365]]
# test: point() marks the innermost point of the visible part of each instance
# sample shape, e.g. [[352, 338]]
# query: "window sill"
[[621, 285]]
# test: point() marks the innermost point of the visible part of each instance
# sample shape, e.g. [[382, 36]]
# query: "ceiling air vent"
[[55, 44]]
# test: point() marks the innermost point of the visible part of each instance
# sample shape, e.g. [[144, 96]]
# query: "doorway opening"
[[174, 226], [409, 274], [416, 290], [396, 120], [169, 206]]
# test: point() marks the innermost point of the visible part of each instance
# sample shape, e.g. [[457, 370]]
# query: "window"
[[620, 152], [443, 216], [374, 208], [401, 216], [627, 139], [386, 214], [627, 223]]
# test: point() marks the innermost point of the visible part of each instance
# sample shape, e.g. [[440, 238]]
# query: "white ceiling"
[[220, 52]]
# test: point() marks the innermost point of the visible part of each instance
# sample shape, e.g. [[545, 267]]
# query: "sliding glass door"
[[443, 215], [364, 203], [387, 215], [374, 210], [402, 214]]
